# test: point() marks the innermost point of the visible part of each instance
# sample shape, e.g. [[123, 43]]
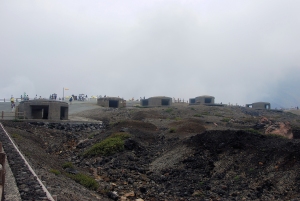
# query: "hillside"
[[176, 153]]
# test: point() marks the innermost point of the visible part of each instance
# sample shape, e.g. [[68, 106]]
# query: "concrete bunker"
[[113, 102], [202, 100], [156, 101], [259, 106], [44, 109]]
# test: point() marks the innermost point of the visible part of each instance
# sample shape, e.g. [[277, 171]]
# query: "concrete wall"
[[259, 105], [156, 101], [111, 102], [44, 109], [202, 100]]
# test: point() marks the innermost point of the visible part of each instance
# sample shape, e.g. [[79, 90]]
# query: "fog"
[[237, 51]]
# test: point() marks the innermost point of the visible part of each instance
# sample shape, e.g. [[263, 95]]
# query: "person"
[[12, 99], [71, 99], [13, 106]]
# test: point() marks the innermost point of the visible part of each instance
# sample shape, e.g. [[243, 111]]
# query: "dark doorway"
[[207, 100], [63, 113], [39, 111], [145, 102], [192, 100], [113, 103], [165, 101]]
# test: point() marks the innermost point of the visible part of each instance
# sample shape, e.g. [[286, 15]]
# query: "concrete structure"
[[202, 100], [156, 101], [260, 105], [111, 102], [44, 109]]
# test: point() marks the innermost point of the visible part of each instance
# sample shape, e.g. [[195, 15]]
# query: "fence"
[[8, 100], [2, 172], [12, 115]]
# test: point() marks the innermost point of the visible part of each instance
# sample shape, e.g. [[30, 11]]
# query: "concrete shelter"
[[44, 109], [156, 101], [260, 105], [113, 102], [202, 100]]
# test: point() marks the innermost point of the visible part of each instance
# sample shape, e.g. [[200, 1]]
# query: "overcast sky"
[[238, 51]]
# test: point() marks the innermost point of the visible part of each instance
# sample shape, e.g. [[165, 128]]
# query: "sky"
[[240, 52]]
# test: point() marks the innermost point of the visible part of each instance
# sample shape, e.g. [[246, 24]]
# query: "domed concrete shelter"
[[44, 109], [202, 100], [114, 102], [260, 106], [156, 101]]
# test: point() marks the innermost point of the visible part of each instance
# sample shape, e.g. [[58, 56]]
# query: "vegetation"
[[67, 165], [198, 115], [277, 136], [172, 130], [54, 171], [251, 130], [225, 119], [205, 113], [85, 180], [177, 118], [109, 146], [16, 136], [92, 135], [169, 110], [236, 178]]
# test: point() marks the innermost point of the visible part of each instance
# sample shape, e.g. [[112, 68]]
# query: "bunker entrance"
[[165, 102], [207, 100], [113, 103], [63, 113], [39, 111], [145, 102], [267, 106], [193, 100]]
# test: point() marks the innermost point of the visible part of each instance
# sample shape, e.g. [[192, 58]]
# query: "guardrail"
[[12, 115], [2, 172]]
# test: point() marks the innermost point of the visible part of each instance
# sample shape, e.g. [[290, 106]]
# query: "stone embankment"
[[30, 187]]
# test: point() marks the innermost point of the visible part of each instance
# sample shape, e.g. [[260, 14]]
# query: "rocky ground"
[[176, 153]]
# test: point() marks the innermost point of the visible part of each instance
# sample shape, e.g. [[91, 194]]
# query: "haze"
[[238, 51]]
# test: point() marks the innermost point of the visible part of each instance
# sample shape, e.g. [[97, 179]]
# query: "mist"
[[239, 52]]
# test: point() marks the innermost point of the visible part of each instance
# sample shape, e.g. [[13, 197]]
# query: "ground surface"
[[176, 153]]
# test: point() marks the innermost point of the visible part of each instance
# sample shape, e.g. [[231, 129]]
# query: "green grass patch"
[[92, 135], [177, 118], [276, 136], [16, 136], [205, 113], [67, 165], [198, 115], [192, 108], [218, 115], [251, 130], [169, 110], [112, 144], [85, 181], [172, 130], [236, 178], [225, 119], [54, 171]]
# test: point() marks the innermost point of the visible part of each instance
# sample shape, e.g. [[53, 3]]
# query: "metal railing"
[[12, 115], [2, 172]]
